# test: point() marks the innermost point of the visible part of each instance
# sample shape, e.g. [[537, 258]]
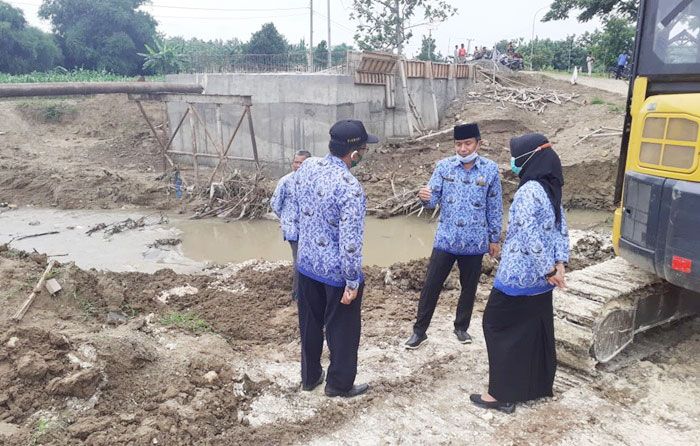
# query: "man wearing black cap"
[[468, 189], [331, 213]]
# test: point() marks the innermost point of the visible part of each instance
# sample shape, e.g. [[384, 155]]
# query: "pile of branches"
[[128, 225], [239, 196], [533, 99], [403, 203]]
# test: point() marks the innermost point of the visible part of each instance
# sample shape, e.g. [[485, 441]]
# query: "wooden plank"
[[195, 99], [172, 137], [150, 125], [193, 129], [28, 303], [228, 146], [206, 131], [209, 155], [252, 135]]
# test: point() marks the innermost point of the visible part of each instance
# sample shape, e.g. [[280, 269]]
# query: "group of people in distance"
[[321, 206]]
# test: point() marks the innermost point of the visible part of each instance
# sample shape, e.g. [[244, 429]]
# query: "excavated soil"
[[590, 167], [98, 153], [106, 362], [80, 153]]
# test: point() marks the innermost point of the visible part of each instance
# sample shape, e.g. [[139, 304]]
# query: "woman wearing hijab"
[[518, 320]]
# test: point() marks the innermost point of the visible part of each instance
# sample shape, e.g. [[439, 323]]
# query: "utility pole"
[[430, 44], [311, 36], [399, 29], [532, 38], [330, 55]]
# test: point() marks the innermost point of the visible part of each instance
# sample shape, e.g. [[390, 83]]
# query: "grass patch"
[[48, 111], [63, 75], [88, 308], [130, 311], [55, 272], [186, 321], [42, 428], [10, 292], [615, 108], [597, 101]]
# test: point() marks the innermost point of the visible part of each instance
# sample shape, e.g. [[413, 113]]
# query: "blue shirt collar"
[[335, 160]]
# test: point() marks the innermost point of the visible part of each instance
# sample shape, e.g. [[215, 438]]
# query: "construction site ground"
[[212, 356]]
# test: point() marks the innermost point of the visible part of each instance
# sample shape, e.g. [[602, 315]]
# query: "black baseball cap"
[[349, 134]]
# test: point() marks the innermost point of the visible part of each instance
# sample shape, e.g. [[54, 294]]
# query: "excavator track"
[[605, 305]]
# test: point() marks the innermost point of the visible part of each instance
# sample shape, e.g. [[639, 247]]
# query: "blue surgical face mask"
[[516, 170], [468, 159]]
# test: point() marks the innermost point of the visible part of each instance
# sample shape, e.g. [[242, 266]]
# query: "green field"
[[68, 76]]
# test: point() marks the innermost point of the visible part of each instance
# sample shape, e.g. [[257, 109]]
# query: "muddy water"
[[386, 241], [127, 251]]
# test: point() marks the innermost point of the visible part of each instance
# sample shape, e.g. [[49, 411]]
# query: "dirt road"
[[601, 83]]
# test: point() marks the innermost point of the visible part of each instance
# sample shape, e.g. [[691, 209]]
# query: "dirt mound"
[[131, 358], [73, 371], [92, 152], [589, 166]]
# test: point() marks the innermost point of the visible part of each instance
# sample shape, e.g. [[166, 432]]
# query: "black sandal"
[[502, 407]]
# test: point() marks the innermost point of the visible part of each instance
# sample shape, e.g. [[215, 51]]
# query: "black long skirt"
[[519, 332]]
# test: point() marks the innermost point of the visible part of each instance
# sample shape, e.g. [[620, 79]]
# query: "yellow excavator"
[[656, 228]]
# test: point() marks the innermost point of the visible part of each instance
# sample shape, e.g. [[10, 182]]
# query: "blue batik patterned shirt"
[[330, 205], [471, 206], [282, 204], [534, 243]]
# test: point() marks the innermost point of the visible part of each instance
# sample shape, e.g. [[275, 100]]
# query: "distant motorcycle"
[[514, 63], [626, 72]]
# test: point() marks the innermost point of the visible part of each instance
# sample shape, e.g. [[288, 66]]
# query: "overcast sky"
[[484, 21]]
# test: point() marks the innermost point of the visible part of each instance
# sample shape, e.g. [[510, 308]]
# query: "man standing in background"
[[283, 206], [462, 54], [621, 64], [589, 63]]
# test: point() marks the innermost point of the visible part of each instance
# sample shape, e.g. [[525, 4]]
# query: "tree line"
[[605, 45], [116, 36]]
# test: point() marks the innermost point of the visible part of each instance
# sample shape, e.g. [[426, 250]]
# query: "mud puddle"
[[387, 242], [126, 251]]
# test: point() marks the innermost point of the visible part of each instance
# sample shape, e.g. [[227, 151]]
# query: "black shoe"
[[311, 387], [357, 389], [415, 341], [502, 407], [463, 336]]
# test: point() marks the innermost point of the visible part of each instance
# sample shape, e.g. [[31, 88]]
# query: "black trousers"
[[439, 268], [319, 308], [295, 280], [618, 73]]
